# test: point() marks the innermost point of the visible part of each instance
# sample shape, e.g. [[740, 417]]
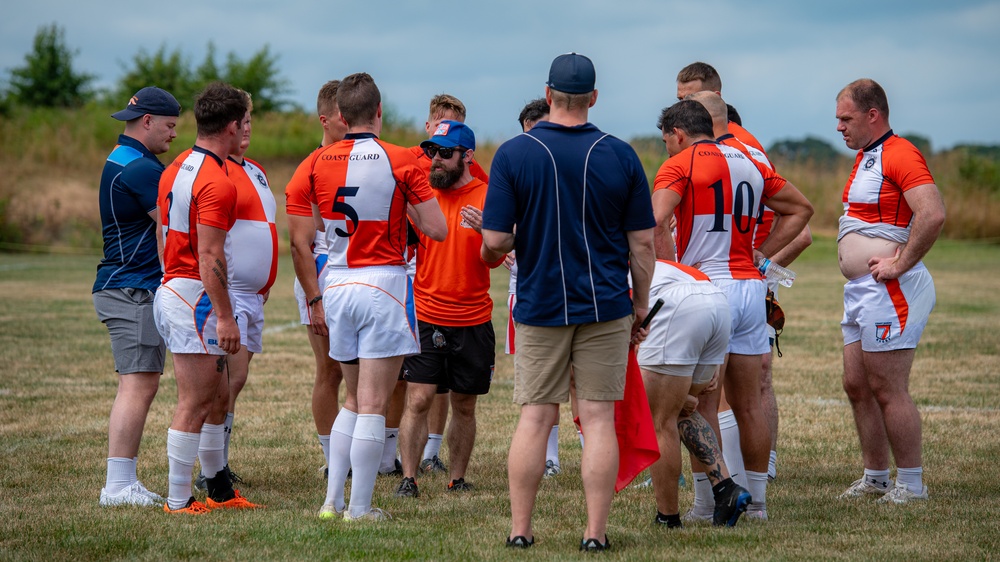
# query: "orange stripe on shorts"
[[898, 302]]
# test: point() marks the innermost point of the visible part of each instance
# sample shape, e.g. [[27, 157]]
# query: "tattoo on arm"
[[220, 272], [699, 438]]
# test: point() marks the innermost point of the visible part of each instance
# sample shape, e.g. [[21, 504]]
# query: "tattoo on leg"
[[699, 438], [220, 363]]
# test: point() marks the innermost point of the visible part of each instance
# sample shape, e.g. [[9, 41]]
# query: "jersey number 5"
[[341, 206]]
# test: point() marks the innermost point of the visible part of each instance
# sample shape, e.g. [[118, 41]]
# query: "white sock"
[[772, 465], [552, 447], [580, 435], [878, 478], [324, 443], [704, 502], [182, 449], [121, 474], [366, 452], [731, 452], [228, 428], [912, 477], [339, 458], [433, 446], [757, 485], [211, 450], [388, 463]]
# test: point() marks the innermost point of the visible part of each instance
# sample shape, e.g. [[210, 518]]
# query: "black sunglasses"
[[432, 150]]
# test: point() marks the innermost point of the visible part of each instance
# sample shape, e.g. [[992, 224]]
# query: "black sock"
[[722, 487], [671, 521]]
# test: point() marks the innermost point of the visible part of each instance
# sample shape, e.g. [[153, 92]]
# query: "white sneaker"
[[151, 495], [552, 469], [901, 494], [131, 495], [329, 512], [756, 513], [861, 487], [693, 516], [373, 514]]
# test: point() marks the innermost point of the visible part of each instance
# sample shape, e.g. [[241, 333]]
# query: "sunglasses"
[[433, 150]]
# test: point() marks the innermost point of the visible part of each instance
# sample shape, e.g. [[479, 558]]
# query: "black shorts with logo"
[[460, 359]]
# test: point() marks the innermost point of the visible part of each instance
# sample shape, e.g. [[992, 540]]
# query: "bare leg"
[[599, 464], [666, 394], [768, 400], [128, 413], [461, 433], [742, 384], [867, 412], [413, 427], [889, 377], [326, 388], [526, 463]]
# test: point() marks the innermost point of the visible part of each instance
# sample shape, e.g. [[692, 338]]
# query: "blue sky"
[[781, 62]]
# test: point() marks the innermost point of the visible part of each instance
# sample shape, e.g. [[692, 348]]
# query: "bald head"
[[716, 107]]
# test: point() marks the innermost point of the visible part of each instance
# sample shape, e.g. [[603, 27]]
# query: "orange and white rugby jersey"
[[362, 186], [194, 189], [874, 204], [721, 190], [253, 261], [766, 218], [475, 169], [452, 286]]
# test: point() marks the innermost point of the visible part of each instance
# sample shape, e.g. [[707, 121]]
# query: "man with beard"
[[454, 309]]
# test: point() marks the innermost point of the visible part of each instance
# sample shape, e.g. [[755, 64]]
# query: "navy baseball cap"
[[451, 134], [149, 100], [572, 73]]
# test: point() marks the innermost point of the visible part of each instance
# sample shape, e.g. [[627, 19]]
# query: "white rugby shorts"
[[248, 308], [185, 317], [370, 313], [691, 330], [891, 315], [747, 309]]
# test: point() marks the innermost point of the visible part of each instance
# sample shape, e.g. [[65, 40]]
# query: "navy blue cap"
[[572, 73], [450, 134], [149, 100]]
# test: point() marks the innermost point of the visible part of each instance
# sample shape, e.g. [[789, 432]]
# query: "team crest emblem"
[[442, 130], [261, 180], [869, 163], [883, 332]]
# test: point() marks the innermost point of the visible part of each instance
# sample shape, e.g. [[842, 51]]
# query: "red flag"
[[637, 446]]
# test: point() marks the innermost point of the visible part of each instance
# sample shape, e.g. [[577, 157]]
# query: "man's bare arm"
[[301, 232], [795, 211], [427, 217], [214, 274], [664, 203]]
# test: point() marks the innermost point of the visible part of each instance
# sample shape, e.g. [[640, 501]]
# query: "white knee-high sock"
[[731, 452], [211, 450], [757, 485], [182, 449], [228, 428], [121, 474], [324, 443], [552, 446], [433, 446], [388, 463], [704, 502], [366, 452], [339, 458]]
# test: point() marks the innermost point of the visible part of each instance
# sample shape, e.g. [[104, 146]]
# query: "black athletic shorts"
[[460, 359]]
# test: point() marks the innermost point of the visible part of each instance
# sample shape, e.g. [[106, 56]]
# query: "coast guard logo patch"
[[869, 163], [261, 180], [442, 130], [883, 332]]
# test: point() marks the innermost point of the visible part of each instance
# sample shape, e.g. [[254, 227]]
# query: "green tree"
[[170, 71], [807, 149], [922, 143], [47, 78], [259, 76]]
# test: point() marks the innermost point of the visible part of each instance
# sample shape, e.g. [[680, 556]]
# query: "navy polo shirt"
[[573, 194], [129, 187]]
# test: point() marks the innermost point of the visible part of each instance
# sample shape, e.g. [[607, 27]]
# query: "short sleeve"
[[500, 207]]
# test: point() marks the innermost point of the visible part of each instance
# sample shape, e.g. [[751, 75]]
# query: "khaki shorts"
[[597, 352]]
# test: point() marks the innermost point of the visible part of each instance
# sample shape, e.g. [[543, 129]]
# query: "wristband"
[[315, 299]]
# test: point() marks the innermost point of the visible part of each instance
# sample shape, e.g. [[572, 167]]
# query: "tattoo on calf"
[[699, 438], [220, 364]]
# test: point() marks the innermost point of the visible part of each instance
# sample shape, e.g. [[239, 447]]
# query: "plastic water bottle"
[[772, 270]]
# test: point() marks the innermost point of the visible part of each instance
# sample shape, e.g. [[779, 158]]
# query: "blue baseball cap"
[[451, 134], [572, 73], [149, 100]]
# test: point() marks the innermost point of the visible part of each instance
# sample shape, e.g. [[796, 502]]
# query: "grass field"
[[57, 384]]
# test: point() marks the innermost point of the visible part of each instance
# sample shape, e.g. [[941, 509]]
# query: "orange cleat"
[[193, 507], [237, 502]]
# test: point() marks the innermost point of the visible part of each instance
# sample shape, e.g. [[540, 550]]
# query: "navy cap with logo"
[[572, 73], [451, 134], [149, 100]]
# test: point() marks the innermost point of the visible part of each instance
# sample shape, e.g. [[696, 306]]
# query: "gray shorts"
[[135, 342]]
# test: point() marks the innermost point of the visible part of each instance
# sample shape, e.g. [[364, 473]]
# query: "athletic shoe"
[[396, 470], [133, 494], [729, 507], [432, 464], [329, 512], [459, 485], [645, 483], [901, 494], [520, 541], [594, 545], [374, 514], [236, 502], [192, 508], [694, 516], [756, 513], [234, 478], [862, 487], [151, 495], [664, 520], [407, 489], [552, 469], [201, 483]]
